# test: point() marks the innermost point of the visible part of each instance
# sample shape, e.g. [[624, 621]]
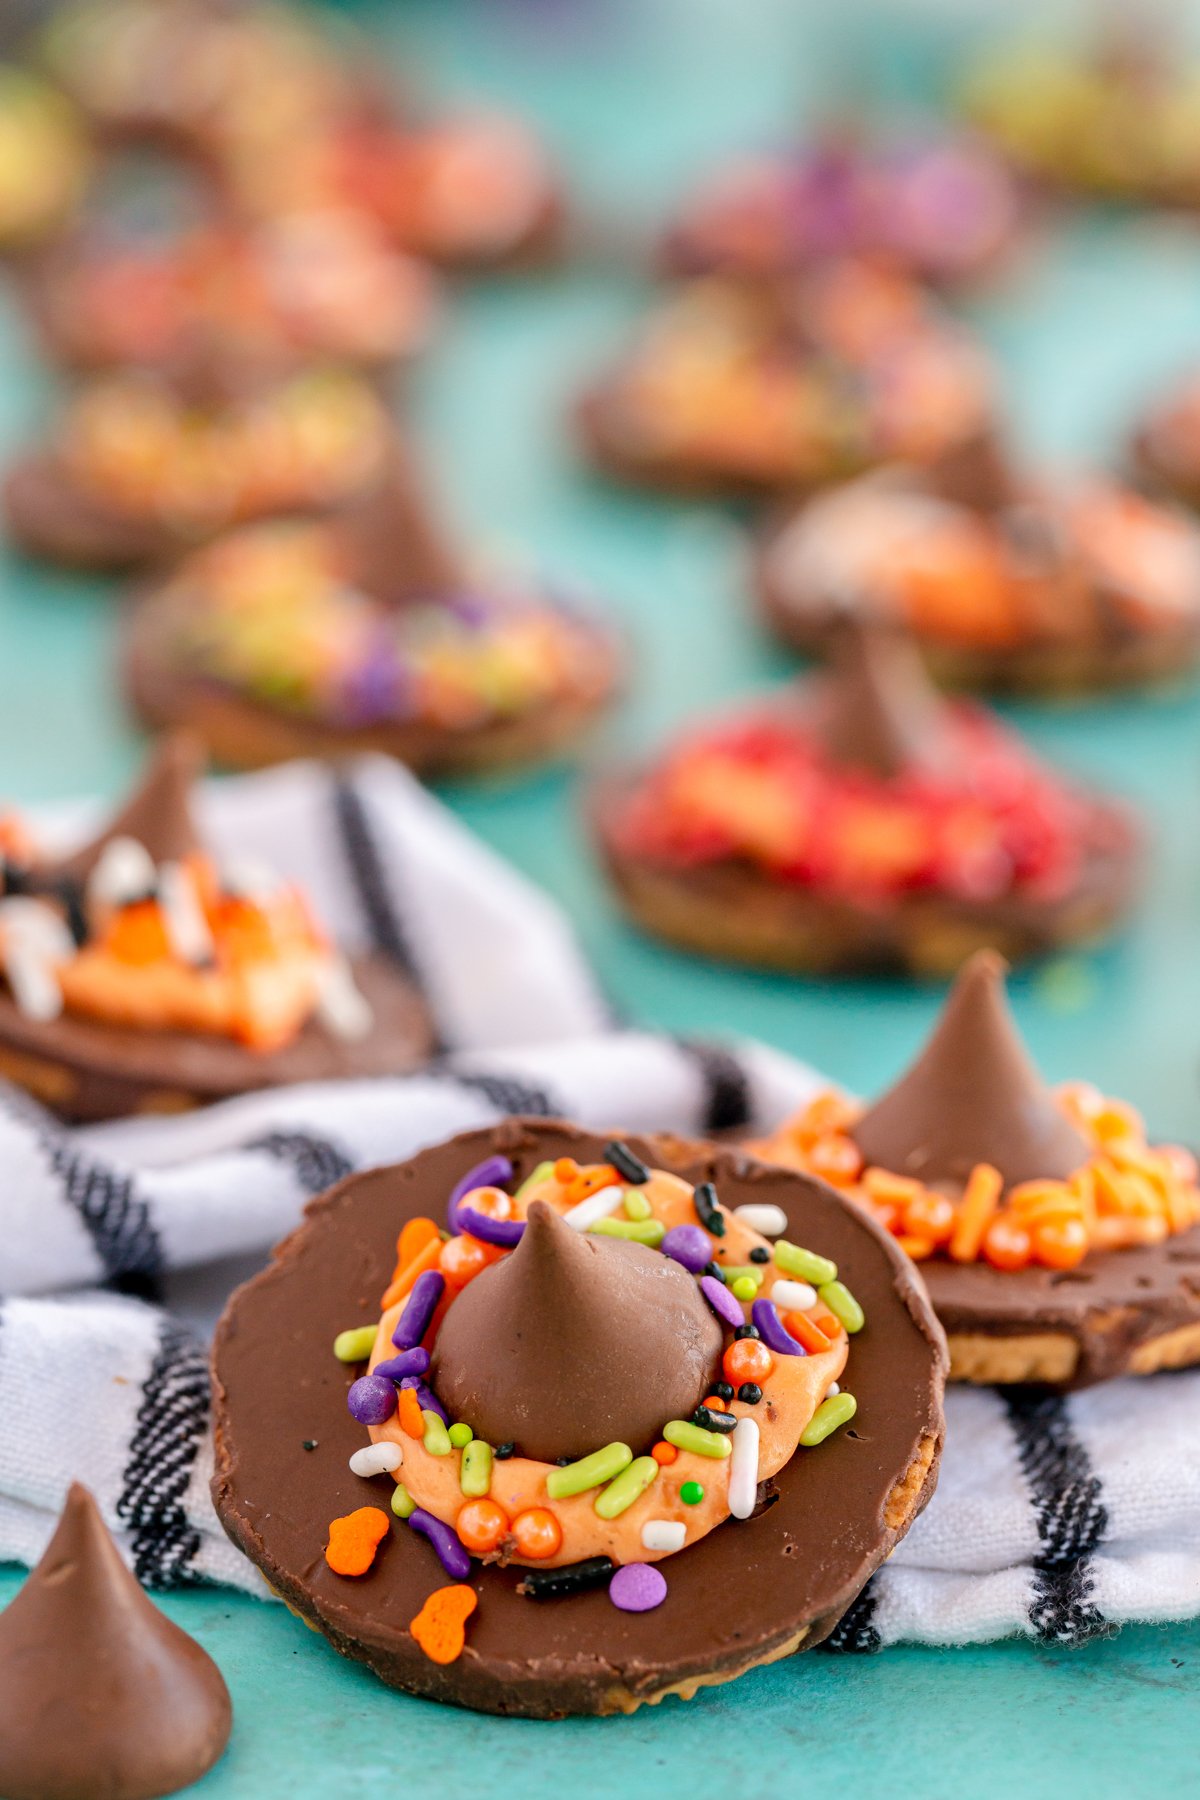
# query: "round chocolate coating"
[[746, 1593], [575, 1341]]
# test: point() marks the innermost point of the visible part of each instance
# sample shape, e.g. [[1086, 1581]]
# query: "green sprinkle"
[[460, 1436], [354, 1346], [843, 1305], [743, 1288], [746, 1271], [437, 1438], [627, 1487], [543, 1172], [817, 1270], [475, 1475], [686, 1436], [636, 1205], [638, 1231], [591, 1471], [828, 1416], [691, 1493], [403, 1504]]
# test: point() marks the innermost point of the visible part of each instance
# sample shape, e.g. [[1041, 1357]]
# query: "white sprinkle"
[[663, 1534], [831, 1390], [187, 928], [771, 1221], [250, 878], [124, 871], [793, 1296], [595, 1207], [33, 941], [341, 1006], [377, 1459], [743, 1469]]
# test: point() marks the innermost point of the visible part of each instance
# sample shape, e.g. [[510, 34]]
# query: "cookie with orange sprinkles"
[[654, 1410], [1058, 1245]]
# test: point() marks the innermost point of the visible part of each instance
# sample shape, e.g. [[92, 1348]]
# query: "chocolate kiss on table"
[[101, 1696], [157, 815], [972, 1096], [876, 708], [575, 1341]]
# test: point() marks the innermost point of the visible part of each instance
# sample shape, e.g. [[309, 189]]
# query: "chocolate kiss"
[[575, 1341], [972, 1096], [101, 1697], [876, 708], [157, 815], [396, 546]]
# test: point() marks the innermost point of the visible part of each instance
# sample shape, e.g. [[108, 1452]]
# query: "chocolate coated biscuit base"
[[747, 1593], [734, 912], [87, 1070], [243, 733]]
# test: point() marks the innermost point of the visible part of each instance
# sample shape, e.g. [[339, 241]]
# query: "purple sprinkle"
[[721, 1300], [637, 1587], [688, 1245], [427, 1400], [413, 1322], [494, 1171], [505, 1232], [371, 1400], [449, 1546], [771, 1329], [409, 1362]]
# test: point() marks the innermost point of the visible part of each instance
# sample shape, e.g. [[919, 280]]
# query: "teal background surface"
[[636, 95]]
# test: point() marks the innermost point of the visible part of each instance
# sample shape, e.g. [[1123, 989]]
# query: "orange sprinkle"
[[463, 1258], [565, 1170], [410, 1413], [979, 1202], [1060, 1243], [416, 1234], [536, 1533], [828, 1324], [825, 1114], [482, 1525], [887, 1188], [425, 1259], [835, 1159], [747, 1359], [492, 1202], [664, 1453], [590, 1181], [916, 1247], [1114, 1121], [354, 1540], [1007, 1244], [440, 1626], [929, 1215], [805, 1331]]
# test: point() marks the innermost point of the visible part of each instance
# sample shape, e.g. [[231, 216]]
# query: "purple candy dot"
[[638, 1587], [722, 1301], [371, 1400], [688, 1245]]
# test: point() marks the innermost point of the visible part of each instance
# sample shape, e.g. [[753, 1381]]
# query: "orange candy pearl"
[[929, 1215], [537, 1533], [747, 1359], [482, 1526], [462, 1258], [1007, 1245], [492, 1202], [836, 1159], [664, 1453], [1060, 1243]]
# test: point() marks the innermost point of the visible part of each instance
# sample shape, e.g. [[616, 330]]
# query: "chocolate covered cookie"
[[857, 820], [608, 1421], [142, 975], [1057, 1244]]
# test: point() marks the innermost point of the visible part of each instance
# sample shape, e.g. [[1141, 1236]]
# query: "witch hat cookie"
[[372, 631], [1054, 1239], [99, 1692], [857, 821], [141, 973], [589, 1446]]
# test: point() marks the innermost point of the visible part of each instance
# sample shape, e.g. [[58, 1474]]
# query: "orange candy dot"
[[837, 1159], [440, 1626], [664, 1453], [565, 1169], [463, 1258], [482, 1525], [1060, 1243], [492, 1202], [747, 1359], [1007, 1245], [929, 1215], [537, 1533], [354, 1540]]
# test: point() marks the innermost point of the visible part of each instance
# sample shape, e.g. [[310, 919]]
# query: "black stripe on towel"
[[1069, 1510], [856, 1633], [171, 1423], [507, 1093], [726, 1103], [385, 927], [316, 1162]]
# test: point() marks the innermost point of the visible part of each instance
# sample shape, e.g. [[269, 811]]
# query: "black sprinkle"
[[705, 1200], [502, 1452], [575, 1578], [747, 1331], [708, 1420], [626, 1163], [723, 1391], [760, 1253], [714, 1269], [563, 1462], [308, 1444], [749, 1393]]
